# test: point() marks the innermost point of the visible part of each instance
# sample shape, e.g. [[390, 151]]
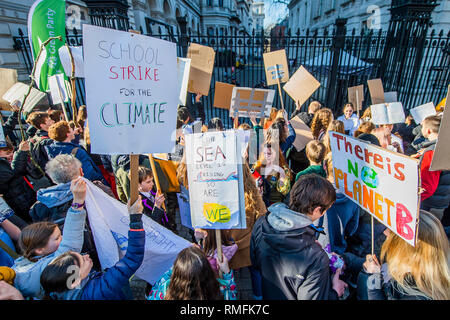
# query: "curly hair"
[[59, 131], [193, 277], [320, 122]]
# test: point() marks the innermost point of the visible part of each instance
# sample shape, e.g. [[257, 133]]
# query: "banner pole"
[[134, 178], [357, 103], [73, 85], [219, 249], [371, 222], [155, 176], [63, 105], [279, 88]]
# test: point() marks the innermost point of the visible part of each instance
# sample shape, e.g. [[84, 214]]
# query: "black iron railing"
[[351, 61]]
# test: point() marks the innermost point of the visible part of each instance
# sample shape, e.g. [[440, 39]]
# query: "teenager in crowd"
[[54, 202], [315, 152], [350, 119], [151, 201], [63, 134], [16, 189], [41, 242], [306, 117], [192, 278], [436, 184], [283, 246], [336, 126], [419, 272], [57, 278], [282, 130], [319, 124], [272, 174]]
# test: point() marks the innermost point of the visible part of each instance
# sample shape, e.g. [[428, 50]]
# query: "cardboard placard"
[[216, 190], [222, 95], [356, 96], [390, 97], [8, 79], [246, 102], [376, 91], [421, 112], [183, 68], [128, 108], [303, 133], [441, 157], [58, 90], [77, 53], [386, 185], [301, 85], [18, 92], [387, 113], [276, 66], [202, 65]]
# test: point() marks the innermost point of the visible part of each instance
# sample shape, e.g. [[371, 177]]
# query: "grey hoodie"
[[281, 218]]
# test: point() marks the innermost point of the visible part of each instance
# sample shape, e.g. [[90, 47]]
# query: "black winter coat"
[[292, 265], [15, 190], [373, 287]]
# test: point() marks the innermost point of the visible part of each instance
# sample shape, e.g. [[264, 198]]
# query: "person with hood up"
[[53, 202], [283, 245]]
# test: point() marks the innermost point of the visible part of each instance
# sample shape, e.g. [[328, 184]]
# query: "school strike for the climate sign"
[[130, 91], [384, 183]]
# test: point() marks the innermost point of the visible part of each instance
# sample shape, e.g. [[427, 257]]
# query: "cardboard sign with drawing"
[[247, 102]]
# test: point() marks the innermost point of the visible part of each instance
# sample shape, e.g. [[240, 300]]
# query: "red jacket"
[[430, 179]]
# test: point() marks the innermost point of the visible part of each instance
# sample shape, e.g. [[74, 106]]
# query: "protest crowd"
[[306, 229]]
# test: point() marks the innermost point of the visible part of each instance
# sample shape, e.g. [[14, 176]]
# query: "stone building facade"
[[361, 14]]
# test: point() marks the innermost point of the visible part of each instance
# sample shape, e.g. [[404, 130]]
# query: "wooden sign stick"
[[63, 105], [357, 103], [74, 91], [279, 88], [372, 235], [134, 178], [155, 177], [219, 249]]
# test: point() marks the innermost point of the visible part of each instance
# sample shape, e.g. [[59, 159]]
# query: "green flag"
[[47, 18]]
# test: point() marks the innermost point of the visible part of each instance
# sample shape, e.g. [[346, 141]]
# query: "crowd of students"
[[304, 239]]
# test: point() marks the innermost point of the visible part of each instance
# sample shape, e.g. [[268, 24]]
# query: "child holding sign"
[[409, 273], [151, 201]]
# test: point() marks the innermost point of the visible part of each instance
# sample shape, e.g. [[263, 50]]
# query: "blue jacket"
[[108, 285], [28, 274], [90, 170], [286, 145], [112, 283], [343, 217]]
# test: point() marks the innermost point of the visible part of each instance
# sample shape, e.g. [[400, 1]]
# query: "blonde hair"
[[315, 151], [182, 172], [321, 120], [424, 269], [337, 126]]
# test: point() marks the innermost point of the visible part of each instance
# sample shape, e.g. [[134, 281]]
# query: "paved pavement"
[[242, 277]]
